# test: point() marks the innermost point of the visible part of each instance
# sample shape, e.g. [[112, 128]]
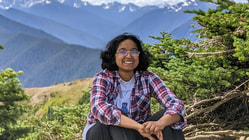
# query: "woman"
[[121, 93]]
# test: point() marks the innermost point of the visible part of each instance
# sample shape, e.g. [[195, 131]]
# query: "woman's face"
[[127, 61]]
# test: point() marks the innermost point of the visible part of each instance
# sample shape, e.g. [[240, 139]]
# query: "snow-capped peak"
[[179, 6], [31, 3], [6, 4], [131, 6]]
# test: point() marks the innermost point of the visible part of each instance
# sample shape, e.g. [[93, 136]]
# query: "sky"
[[144, 2]]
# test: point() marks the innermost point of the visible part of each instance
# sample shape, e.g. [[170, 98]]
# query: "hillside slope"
[[45, 62], [44, 59], [72, 91], [59, 30], [12, 27]]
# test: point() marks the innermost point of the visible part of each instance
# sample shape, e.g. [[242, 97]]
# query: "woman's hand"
[[159, 135], [152, 127], [131, 124], [148, 135]]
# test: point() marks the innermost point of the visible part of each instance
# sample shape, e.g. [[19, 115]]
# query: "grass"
[[63, 94]]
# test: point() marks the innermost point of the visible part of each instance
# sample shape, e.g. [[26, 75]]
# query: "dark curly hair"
[[108, 55]]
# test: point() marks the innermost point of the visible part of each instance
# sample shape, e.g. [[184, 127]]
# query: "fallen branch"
[[247, 81], [224, 99], [188, 108], [192, 127], [225, 133], [217, 135], [209, 53], [219, 117], [204, 137]]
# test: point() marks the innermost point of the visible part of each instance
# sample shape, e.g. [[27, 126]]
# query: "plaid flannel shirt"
[[105, 88]]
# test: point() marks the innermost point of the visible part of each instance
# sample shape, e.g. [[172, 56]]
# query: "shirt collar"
[[116, 75]]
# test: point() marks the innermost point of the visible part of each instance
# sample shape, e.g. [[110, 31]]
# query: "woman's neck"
[[126, 76]]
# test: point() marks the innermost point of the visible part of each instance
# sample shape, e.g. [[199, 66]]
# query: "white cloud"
[[137, 2], [241, 1], [144, 2]]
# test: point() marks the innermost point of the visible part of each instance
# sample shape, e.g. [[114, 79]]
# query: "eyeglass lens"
[[133, 53]]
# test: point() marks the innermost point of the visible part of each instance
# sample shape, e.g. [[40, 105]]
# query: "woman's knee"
[[120, 133], [172, 134], [98, 132]]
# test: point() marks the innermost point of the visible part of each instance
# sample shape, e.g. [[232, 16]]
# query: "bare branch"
[[228, 96], [192, 127], [213, 135], [225, 99], [209, 53], [188, 108], [204, 137], [226, 133]]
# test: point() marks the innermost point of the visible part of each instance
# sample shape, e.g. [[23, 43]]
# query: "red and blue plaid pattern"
[[105, 88]]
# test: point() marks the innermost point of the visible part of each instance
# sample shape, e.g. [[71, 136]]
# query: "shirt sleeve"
[[103, 111], [168, 100]]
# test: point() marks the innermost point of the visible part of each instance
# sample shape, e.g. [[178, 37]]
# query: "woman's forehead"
[[127, 44]]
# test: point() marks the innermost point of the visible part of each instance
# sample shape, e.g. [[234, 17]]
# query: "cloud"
[[144, 2], [241, 1], [137, 2]]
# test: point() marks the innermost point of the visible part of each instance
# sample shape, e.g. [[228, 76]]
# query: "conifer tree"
[[211, 75], [10, 111]]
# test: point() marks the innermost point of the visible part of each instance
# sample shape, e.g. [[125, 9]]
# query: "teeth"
[[128, 62]]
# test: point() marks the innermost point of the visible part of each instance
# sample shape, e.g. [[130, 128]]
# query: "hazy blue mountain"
[[121, 14], [78, 22], [60, 41], [45, 62], [153, 26], [44, 59], [10, 26], [172, 20], [77, 18], [64, 32]]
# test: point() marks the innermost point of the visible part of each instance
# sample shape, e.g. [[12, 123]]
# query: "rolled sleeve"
[[177, 108], [103, 111], [169, 101]]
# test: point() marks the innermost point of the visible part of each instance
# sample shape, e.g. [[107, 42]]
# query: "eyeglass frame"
[[125, 53]]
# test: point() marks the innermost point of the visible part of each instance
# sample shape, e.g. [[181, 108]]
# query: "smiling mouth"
[[128, 62]]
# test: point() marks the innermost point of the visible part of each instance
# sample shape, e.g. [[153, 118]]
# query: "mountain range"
[[54, 42]]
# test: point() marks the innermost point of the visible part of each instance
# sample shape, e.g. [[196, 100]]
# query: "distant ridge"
[[60, 42], [46, 62], [63, 32], [92, 26], [12, 27]]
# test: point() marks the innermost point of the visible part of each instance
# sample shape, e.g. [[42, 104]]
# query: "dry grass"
[[71, 92]]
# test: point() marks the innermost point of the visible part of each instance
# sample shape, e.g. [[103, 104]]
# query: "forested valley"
[[211, 76]]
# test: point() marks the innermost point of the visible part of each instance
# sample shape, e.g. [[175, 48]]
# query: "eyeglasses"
[[124, 53]]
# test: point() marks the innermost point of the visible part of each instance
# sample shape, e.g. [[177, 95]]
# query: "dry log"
[[188, 108], [224, 99], [204, 137], [192, 127], [209, 53], [225, 133], [217, 135], [220, 116]]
